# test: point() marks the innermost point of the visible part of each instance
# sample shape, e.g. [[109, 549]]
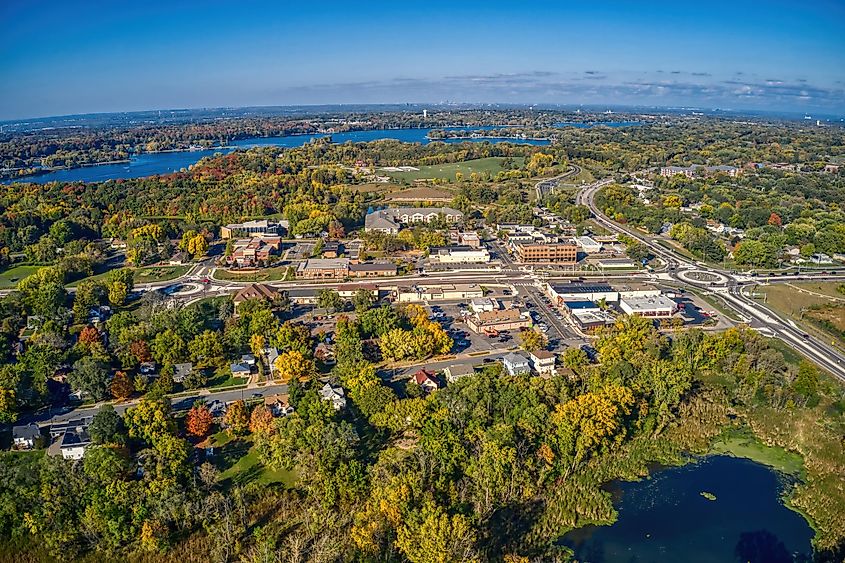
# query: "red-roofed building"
[[426, 380]]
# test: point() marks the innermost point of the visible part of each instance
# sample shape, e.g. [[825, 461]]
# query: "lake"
[[167, 162], [665, 518]]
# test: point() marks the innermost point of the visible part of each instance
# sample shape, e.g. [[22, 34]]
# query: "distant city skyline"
[[60, 58]]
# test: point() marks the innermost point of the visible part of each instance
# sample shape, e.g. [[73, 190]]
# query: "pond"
[[740, 517]]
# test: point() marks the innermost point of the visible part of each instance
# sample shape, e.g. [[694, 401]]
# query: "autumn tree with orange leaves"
[[198, 421]]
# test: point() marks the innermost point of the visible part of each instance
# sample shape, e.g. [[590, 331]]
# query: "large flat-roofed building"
[[588, 244], [498, 320], [557, 252], [372, 269], [459, 255], [320, 268], [391, 220], [259, 227], [655, 306], [445, 292], [589, 320], [581, 291], [698, 169]]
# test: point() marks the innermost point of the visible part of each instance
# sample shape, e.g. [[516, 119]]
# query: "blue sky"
[[62, 57]]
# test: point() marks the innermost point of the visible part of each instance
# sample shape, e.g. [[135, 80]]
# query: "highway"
[[729, 286]]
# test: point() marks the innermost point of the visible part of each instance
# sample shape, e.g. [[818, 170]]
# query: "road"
[[547, 186], [181, 402], [729, 286]]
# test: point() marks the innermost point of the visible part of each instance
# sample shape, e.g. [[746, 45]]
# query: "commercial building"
[[615, 264], [445, 292], [658, 306], [498, 320], [483, 304], [391, 220], [590, 320], [458, 255], [254, 251], [323, 268], [557, 252], [581, 291], [588, 245], [260, 227], [698, 169], [372, 269]]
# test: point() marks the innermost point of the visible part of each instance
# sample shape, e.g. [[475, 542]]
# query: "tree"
[[141, 350], [118, 292], [168, 347], [197, 246], [199, 420], [363, 300], [329, 299], [91, 376], [150, 420], [435, 537], [106, 426], [575, 359], [235, 419], [206, 349], [533, 340], [89, 335], [775, 220], [292, 365], [293, 336], [121, 386], [261, 421]]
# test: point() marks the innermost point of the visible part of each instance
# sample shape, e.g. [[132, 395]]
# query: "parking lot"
[[450, 316]]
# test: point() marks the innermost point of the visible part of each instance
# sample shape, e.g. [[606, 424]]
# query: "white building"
[[658, 306], [588, 245], [483, 304], [335, 395], [516, 363], [542, 361], [459, 254]]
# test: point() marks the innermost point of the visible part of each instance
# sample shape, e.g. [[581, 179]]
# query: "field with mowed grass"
[[11, 276], [492, 165], [818, 306]]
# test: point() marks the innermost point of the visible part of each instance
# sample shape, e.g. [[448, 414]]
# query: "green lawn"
[[11, 277], [822, 305], [146, 274], [276, 273], [223, 378], [492, 165], [239, 464]]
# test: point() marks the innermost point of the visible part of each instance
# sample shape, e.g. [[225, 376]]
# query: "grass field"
[[239, 463], [492, 165], [147, 274], [822, 305], [11, 277], [266, 274]]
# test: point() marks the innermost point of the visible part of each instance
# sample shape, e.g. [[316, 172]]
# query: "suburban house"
[[516, 364], [70, 438], [254, 291], [279, 404], [181, 371], [217, 408], [25, 436], [240, 369], [498, 320], [542, 361], [427, 380], [321, 268], [335, 395], [391, 220], [271, 353], [457, 371]]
